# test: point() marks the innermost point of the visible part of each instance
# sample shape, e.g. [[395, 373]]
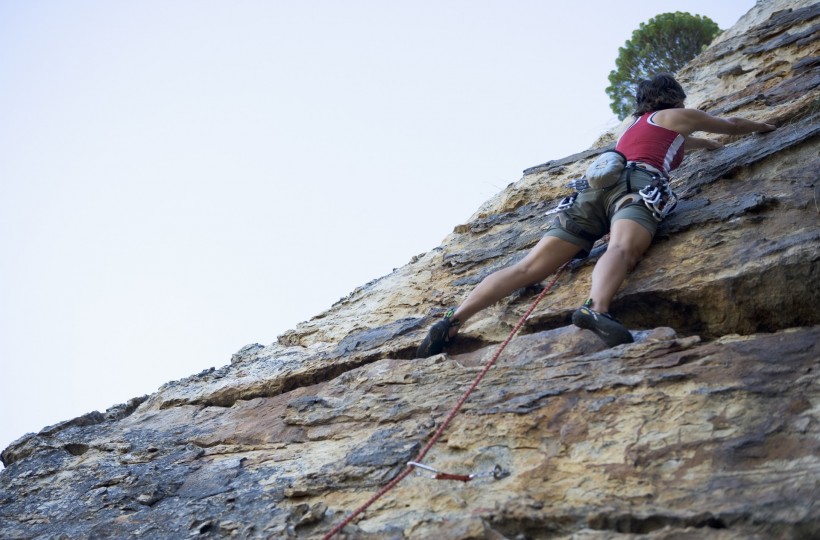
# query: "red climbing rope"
[[393, 483]]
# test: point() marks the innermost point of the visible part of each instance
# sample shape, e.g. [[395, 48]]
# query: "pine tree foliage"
[[662, 45]]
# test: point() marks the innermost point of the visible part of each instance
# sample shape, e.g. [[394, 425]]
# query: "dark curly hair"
[[658, 93]]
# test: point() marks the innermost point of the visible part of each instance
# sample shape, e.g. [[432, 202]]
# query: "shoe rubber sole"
[[433, 343], [608, 329]]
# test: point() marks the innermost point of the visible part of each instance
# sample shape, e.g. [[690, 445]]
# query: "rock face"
[[711, 430]]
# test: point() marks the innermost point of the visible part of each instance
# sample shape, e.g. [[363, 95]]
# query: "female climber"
[[653, 145]]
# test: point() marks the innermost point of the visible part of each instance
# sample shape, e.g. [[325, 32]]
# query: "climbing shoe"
[[438, 335], [603, 324]]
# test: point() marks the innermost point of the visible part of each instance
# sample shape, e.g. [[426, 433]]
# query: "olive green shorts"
[[591, 215]]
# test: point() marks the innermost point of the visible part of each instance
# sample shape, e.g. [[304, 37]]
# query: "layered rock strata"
[[710, 430]]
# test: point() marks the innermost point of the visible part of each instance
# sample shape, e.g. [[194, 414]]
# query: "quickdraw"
[[565, 203], [579, 184], [410, 468], [498, 473], [659, 198]]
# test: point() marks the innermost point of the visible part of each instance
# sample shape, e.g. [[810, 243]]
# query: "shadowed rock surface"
[[710, 430]]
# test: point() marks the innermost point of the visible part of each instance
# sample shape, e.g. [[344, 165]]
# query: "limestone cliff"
[[710, 430]]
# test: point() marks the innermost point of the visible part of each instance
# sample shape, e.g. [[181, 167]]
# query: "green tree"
[[662, 45]]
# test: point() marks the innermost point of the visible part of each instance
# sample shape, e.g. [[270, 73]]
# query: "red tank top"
[[647, 142]]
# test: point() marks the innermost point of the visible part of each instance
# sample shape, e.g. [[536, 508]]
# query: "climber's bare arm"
[[694, 143], [688, 121]]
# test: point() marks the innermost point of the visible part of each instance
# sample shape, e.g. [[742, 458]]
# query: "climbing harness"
[[498, 473], [627, 200], [411, 466], [657, 196]]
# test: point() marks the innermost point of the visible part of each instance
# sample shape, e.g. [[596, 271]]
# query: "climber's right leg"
[[545, 258]]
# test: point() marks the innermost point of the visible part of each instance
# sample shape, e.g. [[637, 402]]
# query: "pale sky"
[[181, 178]]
